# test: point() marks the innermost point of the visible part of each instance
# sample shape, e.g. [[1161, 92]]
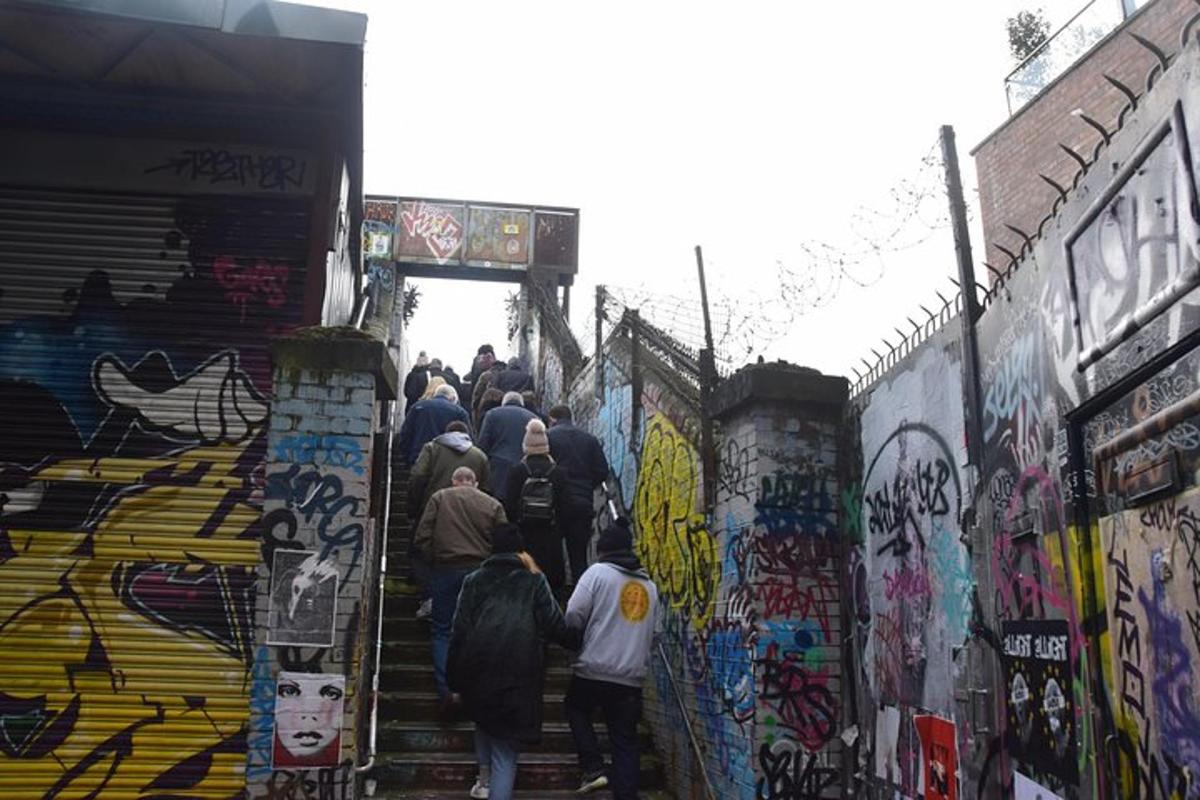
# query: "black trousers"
[[545, 544], [622, 708], [577, 530]]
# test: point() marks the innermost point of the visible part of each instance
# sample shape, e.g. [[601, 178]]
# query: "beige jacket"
[[456, 528]]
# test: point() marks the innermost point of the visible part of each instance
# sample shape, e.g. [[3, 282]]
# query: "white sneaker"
[[479, 791], [425, 610], [591, 782]]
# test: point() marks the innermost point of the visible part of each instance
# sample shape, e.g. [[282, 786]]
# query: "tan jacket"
[[456, 528]]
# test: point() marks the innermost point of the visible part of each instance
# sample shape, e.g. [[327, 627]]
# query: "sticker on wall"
[[1041, 709], [887, 735], [1029, 789], [303, 601], [940, 756], [308, 720]]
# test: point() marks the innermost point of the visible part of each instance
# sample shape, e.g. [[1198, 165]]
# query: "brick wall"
[[317, 576], [1008, 163]]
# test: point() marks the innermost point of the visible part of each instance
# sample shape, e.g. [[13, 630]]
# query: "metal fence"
[[1063, 48]]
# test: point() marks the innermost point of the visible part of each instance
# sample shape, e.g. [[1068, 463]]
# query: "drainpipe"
[[383, 550]]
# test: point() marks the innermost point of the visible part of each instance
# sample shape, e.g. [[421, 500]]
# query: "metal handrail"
[[1105, 26], [687, 723], [1038, 50], [372, 737], [662, 654]]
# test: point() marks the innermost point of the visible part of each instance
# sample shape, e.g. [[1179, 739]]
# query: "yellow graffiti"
[[673, 540], [108, 687]]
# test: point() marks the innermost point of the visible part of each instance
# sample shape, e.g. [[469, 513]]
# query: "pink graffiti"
[[436, 225], [243, 284], [799, 599], [1029, 593], [906, 582]]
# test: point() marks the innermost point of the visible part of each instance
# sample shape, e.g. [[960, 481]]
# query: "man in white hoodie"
[[616, 605]]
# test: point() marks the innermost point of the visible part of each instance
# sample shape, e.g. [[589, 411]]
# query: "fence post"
[[635, 377], [599, 356], [708, 381], [708, 450]]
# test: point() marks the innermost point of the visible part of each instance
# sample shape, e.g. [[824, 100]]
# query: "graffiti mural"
[[131, 463], [1153, 607], [675, 544], [914, 577]]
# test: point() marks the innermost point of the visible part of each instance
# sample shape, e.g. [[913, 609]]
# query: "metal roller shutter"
[[134, 381]]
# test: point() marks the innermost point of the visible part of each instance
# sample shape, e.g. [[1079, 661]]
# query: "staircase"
[[422, 757]]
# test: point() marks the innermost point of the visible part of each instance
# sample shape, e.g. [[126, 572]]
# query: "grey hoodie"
[[457, 441], [617, 609]]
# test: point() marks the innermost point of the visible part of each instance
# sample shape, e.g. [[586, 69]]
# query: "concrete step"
[[533, 794], [416, 652], [419, 706], [544, 771], [397, 583], [408, 677], [459, 737], [399, 626]]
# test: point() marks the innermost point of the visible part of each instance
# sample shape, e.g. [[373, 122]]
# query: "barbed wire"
[[746, 320], [915, 212]]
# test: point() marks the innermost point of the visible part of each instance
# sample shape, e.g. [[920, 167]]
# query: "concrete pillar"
[[318, 579], [778, 479]]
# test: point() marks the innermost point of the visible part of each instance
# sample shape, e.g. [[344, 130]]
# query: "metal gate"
[[134, 385]]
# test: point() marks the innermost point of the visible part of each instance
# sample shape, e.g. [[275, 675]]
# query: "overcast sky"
[[755, 129]]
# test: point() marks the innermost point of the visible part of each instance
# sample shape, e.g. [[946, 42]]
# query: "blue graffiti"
[[791, 503], [1173, 676], [328, 450], [262, 711], [951, 566], [1014, 382], [731, 670], [613, 423]]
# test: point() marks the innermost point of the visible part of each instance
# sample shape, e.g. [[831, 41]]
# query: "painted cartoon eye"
[[288, 690], [22, 498], [330, 691]]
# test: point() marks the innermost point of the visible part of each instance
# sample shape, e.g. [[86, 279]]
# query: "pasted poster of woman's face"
[[308, 719]]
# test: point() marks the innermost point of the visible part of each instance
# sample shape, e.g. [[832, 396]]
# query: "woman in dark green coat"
[[505, 615]]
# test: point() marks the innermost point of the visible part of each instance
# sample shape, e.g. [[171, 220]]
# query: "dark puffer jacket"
[[505, 613]]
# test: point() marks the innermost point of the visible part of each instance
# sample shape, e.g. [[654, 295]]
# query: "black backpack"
[[537, 498]]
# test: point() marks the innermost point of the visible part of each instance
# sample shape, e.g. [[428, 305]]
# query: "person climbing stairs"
[[425, 754]]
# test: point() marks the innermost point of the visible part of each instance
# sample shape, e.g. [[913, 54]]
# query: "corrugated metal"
[[134, 381]]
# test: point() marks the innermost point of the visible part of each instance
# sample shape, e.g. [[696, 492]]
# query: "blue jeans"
[[622, 708], [501, 755], [444, 585]]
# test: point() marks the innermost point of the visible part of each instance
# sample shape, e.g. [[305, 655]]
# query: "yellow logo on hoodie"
[[635, 601]]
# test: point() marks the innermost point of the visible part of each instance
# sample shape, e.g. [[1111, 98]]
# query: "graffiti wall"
[[752, 626], [318, 570], [910, 570], [135, 384], [885, 618], [1055, 667]]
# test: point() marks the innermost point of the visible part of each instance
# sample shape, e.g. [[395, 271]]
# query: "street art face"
[[107, 592], [308, 719], [303, 599]]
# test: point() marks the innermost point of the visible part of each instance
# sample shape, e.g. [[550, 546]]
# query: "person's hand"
[[529, 563]]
